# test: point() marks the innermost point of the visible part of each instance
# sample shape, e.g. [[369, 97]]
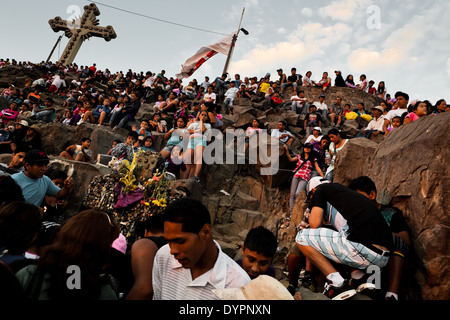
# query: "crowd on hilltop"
[[37, 246]]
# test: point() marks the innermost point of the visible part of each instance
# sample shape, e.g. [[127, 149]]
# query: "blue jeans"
[[227, 103], [285, 85], [297, 186], [366, 135], [220, 85], [45, 115], [301, 110]]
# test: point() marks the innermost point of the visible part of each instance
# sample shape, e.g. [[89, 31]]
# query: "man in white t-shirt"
[[282, 134], [299, 102], [58, 84], [192, 263], [375, 126], [402, 107], [230, 95], [321, 106]]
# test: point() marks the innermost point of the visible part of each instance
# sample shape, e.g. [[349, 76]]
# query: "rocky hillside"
[[409, 168]]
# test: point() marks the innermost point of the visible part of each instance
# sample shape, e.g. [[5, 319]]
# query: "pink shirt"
[[412, 116]]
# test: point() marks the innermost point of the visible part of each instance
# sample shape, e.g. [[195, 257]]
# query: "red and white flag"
[[202, 55]]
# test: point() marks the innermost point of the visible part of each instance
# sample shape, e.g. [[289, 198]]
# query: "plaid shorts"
[[335, 246]]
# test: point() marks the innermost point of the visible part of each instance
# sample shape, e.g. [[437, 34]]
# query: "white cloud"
[[281, 30], [345, 10], [309, 42], [262, 59], [307, 12], [448, 66]]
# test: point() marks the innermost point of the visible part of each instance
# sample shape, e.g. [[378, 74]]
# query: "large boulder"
[[353, 160], [410, 169], [57, 136], [16, 75], [82, 173]]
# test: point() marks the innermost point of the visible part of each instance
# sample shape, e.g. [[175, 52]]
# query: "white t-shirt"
[[376, 124], [253, 87], [173, 282], [321, 106], [276, 134], [211, 95], [394, 113], [312, 138], [231, 93], [300, 102], [58, 82]]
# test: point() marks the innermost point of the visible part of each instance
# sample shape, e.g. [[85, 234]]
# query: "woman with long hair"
[[336, 145], [73, 266], [199, 131], [306, 161], [381, 91], [174, 137], [251, 131], [440, 106], [349, 82]]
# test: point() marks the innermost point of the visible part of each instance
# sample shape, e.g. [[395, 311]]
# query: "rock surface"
[[409, 167]]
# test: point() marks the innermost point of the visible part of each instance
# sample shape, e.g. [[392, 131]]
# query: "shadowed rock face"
[[410, 168]]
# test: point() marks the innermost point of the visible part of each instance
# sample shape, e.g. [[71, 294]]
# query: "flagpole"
[[233, 41]]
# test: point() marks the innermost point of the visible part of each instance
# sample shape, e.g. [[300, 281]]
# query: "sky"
[[404, 43]]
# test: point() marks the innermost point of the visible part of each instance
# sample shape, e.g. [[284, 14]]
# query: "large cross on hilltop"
[[79, 30]]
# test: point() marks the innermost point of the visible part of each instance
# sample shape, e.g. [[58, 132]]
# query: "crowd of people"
[[177, 257]]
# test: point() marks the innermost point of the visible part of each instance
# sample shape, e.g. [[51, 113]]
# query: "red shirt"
[[305, 171]]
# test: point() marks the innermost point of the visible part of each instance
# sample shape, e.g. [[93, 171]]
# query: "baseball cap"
[[36, 156], [318, 129], [315, 182], [378, 108], [322, 96]]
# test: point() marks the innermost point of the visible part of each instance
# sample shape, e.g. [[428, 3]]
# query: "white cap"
[[315, 182], [261, 288]]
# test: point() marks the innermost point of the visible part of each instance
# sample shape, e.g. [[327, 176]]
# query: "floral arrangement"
[[134, 191]]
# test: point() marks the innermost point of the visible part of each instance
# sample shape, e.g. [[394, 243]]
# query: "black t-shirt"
[[312, 119], [294, 78], [366, 224]]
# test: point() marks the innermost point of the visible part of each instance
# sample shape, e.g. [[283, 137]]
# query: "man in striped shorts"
[[359, 238], [399, 229]]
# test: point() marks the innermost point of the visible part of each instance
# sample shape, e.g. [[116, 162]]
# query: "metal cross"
[[79, 30]]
